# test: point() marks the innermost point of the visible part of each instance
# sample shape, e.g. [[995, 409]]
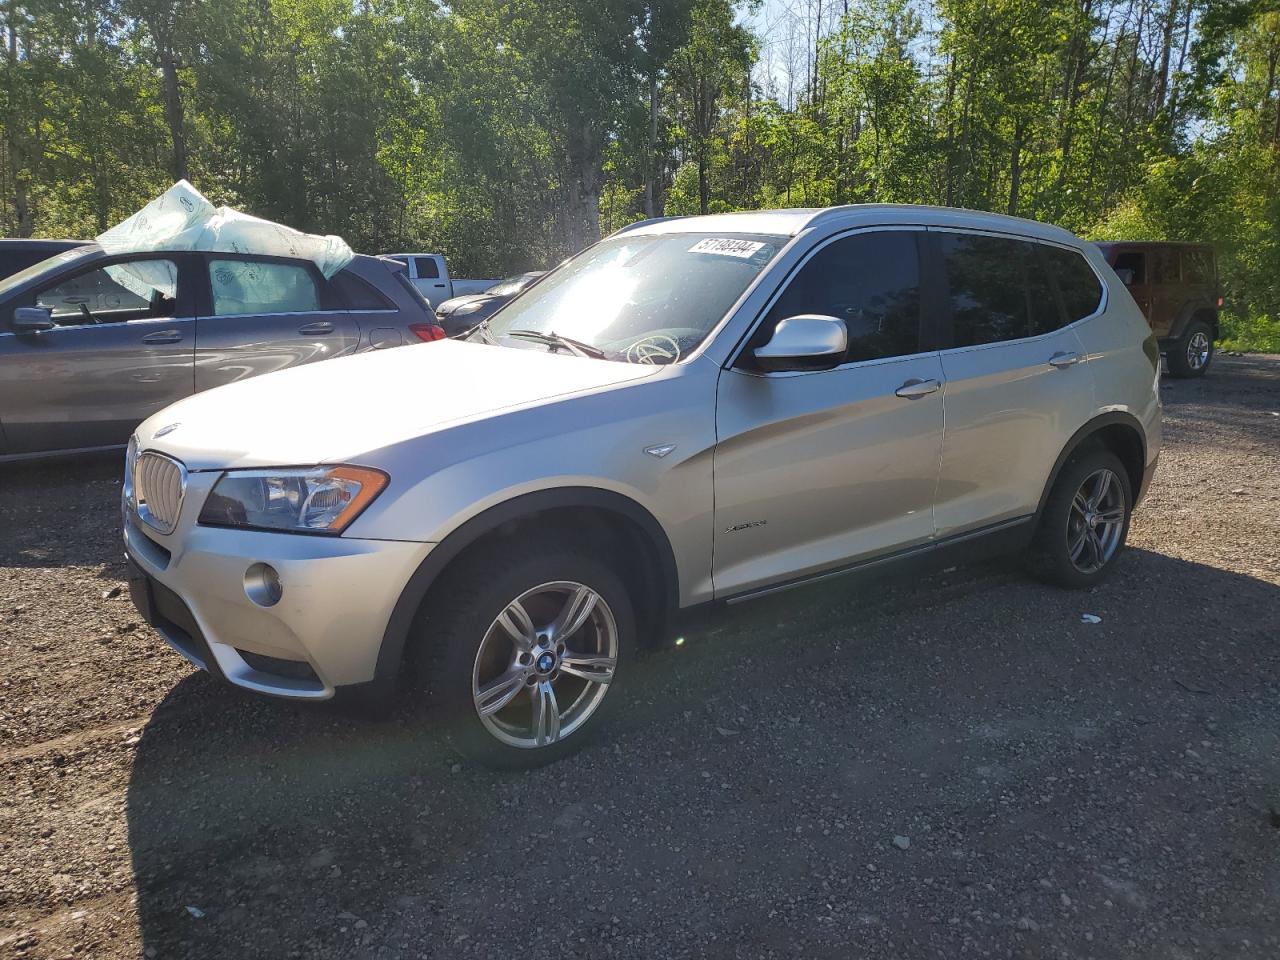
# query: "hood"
[[337, 410], [453, 304]]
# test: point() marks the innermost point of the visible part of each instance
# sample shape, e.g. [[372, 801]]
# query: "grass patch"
[[1256, 334]]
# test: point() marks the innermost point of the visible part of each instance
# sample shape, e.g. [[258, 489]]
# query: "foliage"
[[509, 133]]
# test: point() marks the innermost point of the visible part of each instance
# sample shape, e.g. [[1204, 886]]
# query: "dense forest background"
[[509, 133]]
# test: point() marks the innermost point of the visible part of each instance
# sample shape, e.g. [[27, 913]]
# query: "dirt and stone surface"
[[949, 767]]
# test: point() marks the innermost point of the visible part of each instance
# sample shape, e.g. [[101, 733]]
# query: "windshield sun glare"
[[638, 298]]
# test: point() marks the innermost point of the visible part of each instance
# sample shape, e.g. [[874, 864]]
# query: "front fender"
[[396, 634]]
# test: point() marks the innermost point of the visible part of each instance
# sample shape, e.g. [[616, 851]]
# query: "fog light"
[[262, 585]]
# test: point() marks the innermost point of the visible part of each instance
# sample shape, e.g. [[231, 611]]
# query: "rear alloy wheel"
[[524, 659], [1096, 522], [1191, 355], [1085, 520]]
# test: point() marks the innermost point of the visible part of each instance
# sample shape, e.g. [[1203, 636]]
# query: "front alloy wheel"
[[545, 664], [522, 649]]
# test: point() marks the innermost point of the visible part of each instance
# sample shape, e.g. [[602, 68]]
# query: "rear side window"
[[1197, 266], [1166, 266], [1079, 285], [988, 291], [426, 267], [871, 281], [246, 287], [356, 294]]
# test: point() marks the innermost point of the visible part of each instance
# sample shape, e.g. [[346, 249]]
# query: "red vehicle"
[[1176, 287]]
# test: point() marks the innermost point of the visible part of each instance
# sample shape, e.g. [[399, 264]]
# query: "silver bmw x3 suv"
[[692, 410]]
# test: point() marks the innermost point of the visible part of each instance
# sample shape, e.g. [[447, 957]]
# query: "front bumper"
[[324, 632]]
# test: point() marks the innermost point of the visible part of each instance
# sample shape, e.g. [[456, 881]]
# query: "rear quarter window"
[[1197, 266], [356, 294], [1080, 287]]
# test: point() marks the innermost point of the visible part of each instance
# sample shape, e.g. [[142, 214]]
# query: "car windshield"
[[647, 298], [15, 280]]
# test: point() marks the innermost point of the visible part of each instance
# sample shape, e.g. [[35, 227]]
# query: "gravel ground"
[[957, 767]]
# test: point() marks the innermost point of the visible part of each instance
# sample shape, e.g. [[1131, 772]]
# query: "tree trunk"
[[651, 205], [704, 189], [1015, 166], [173, 108], [586, 176], [24, 219], [1166, 41]]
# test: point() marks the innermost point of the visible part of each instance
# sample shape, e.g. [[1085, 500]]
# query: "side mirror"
[[807, 342], [32, 319]]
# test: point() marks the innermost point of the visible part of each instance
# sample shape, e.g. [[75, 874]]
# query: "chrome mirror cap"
[[809, 341]]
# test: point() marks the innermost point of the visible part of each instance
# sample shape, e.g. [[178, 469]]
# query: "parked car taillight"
[[1219, 303], [427, 331]]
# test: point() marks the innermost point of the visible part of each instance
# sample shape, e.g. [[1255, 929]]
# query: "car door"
[[1018, 383], [121, 349], [1167, 295], [430, 280], [1131, 267], [261, 314], [816, 469]]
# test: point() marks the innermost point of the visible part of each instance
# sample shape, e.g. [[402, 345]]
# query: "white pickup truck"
[[430, 274]]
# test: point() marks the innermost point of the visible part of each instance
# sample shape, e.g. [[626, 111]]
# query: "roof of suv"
[[1180, 244], [793, 221]]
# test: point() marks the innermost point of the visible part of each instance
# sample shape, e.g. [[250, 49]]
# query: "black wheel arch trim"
[[394, 637], [1081, 437], [1189, 312]]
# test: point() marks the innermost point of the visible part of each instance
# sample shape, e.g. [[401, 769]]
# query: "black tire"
[[449, 642], [1191, 353], [1062, 526]]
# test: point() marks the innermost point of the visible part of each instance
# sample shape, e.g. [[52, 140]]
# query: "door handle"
[[163, 336], [439, 284], [915, 388], [317, 328], [1061, 360]]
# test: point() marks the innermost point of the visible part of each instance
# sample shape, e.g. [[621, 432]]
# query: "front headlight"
[[299, 500], [130, 455]]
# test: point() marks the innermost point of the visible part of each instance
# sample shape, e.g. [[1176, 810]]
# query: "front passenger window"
[[871, 281], [247, 287]]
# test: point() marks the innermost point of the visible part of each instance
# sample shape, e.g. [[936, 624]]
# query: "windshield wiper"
[[555, 339], [482, 328]]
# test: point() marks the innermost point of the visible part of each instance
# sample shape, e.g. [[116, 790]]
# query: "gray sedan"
[[91, 345], [460, 315]]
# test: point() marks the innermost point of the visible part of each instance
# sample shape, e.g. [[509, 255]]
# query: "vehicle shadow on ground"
[[261, 828], [61, 513]]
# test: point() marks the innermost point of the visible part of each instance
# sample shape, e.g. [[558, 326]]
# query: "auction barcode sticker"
[[726, 247]]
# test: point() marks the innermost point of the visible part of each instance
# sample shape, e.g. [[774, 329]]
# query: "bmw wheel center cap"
[[546, 662]]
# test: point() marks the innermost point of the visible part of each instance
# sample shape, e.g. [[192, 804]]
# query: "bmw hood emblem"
[[166, 430]]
